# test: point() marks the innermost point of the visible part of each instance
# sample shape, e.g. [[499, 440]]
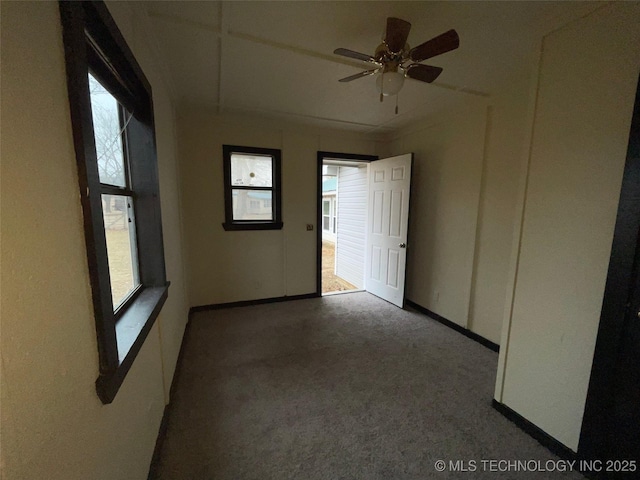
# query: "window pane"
[[326, 207], [325, 223], [119, 226], [252, 204], [107, 133], [255, 171]]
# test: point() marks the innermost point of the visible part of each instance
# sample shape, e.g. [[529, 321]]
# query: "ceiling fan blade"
[[345, 52], [358, 75], [396, 34], [424, 73], [436, 46]]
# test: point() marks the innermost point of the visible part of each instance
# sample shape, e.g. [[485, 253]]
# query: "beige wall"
[[246, 265], [466, 185], [133, 24], [463, 205], [586, 87], [445, 193], [53, 424], [506, 126], [466, 166]]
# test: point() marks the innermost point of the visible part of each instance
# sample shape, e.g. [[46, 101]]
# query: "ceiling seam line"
[[186, 23], [310, 117]]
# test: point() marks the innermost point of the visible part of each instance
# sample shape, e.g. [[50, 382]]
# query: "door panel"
[[388, 220]]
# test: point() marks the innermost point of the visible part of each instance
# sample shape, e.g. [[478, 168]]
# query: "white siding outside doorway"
[[352, 221]]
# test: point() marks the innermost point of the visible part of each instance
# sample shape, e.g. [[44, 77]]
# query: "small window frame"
[[94, 44], [276, 188]]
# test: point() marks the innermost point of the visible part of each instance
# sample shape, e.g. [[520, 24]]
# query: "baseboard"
[[246, 303], [162, 431], [554, 446], [534, 431], [465, 331]]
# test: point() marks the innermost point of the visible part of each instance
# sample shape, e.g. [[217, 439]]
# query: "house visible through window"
[[252, 188], [329, 214], [326, 215], [329, 207]]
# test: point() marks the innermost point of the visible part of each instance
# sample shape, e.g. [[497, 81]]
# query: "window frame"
[[331, 216], [125, 192], [276, 189], [326, 215], [94, 44]]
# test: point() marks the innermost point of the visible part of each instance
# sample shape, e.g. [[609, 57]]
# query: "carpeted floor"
[[340, 387]]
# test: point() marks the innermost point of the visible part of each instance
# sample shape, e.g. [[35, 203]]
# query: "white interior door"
[[387, 225]]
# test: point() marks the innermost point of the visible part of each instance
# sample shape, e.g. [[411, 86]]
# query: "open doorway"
[[342, 218]]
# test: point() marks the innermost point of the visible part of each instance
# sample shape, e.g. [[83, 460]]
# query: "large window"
[[252, 188], [112, 117], [109, 131]]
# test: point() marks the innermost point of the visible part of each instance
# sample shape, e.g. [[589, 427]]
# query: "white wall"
[[53, 424], [353, 184], [586, 88], [247, 265]]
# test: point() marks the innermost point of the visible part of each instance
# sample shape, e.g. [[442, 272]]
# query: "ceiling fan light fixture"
[[390, 83], [394, 59]]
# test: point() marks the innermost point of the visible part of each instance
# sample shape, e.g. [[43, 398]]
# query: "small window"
[[252, 188], [329, 215], [326, 215]]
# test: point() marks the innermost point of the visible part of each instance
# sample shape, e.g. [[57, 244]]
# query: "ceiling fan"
[[394, 59]]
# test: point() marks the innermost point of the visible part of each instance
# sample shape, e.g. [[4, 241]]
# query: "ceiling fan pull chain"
[[381, 86], [397, 95]]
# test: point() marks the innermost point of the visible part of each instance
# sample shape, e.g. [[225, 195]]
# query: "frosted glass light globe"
[[390, 83]]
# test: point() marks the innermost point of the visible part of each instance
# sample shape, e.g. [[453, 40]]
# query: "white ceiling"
[[275, 58]]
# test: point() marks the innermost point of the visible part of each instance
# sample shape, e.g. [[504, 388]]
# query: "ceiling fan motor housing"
[[390, 61]]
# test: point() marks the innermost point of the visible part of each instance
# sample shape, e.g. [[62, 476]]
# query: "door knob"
[[403, 245]]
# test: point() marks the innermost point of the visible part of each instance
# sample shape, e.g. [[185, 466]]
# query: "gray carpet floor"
[[340, 387]]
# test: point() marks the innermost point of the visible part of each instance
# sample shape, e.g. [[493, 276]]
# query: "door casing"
[[320, 159]]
